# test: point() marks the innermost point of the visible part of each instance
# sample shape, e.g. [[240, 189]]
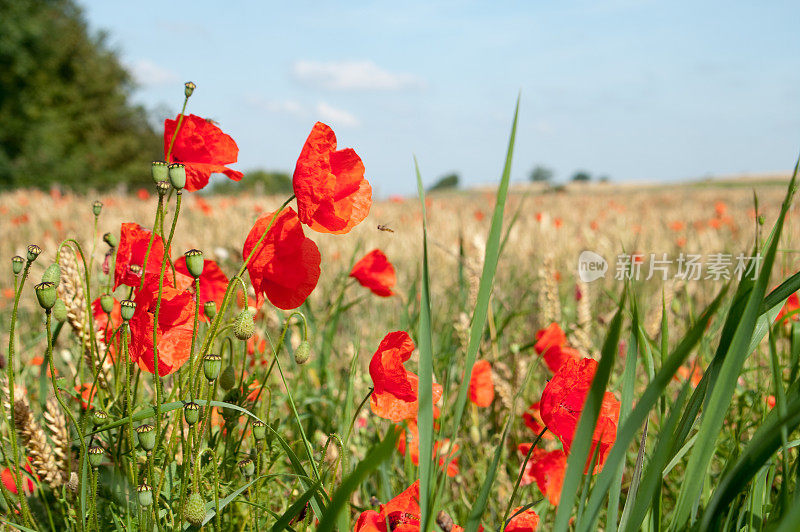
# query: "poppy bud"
[[191, 412], [110, 239], [99, 417], [60, 311], [17, 263], [228, 378], [211, 366], [210, 309], [195, 509], [107, 303], [761, 219], [127, 308], [244, 325], [145, 494], [302, 353], [52, 274], [33, 252], [188, 88], [194, 262], [259, 430], [177, 175], [147, 436], [95, 455], [160, 171], [97, 207], [162, 187], [247, 467], [46, 294]]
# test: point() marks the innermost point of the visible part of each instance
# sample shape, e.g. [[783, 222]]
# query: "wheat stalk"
[[35, 441], [56, 423]]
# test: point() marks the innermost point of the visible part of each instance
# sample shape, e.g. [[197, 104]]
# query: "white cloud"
[[336, 116], [290, 107], [147, 73], [352, 75]]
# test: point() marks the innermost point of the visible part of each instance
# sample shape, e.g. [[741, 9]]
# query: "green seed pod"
[[210, 309], [97, 208], [211, 366], [302, 353], [160, 171], [60, 311], [127, 308], [33, 252], [228, 378], [110, 239], [247, 467], [107, 303], [244, 325], [147, 436], [162, 187], [259, 430], [52, 274], [194, 262], [95, 455], [761, 219], [188, 88], [99, 417], [195, 510], [191, 412], [145, 494], [17, 263], [177, 175], [46, 294]]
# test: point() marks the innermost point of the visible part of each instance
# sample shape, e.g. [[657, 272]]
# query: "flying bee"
[[384, 227]]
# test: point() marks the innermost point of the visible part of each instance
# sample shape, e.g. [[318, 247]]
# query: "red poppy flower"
[[27, 482], [533, 420], [86, 391], [562, 402], [332, 194], [101, 320], [402, 514], [526, 521], [203, 148], [375, 272], [175, 324], [550, 336], [481, 387], [555, 356], [771, 401], [792, 304], [441, 449], [395, 389], [213, 282], [684, 373], [286, 265], [132, 248], [547, 469]]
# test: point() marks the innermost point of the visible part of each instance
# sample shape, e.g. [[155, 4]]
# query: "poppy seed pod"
[[17, 263], [147, 436], [302, 353], [162, 187], [97, 207], [60, 311], [160, 171], [95, 455], [191, 412], [194, 262], [107, 303], [46, 294], [188, 88], [259, 430], [99, 417], [177, 175], [211, 366], [52, 274], [33, 252], [210, 309], [195, 509], [127, 308], [247, 467], [228, 378], [244, 325], [145, 494], [111, 240]]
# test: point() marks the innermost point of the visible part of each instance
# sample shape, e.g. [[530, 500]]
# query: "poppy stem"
[[177, 128]]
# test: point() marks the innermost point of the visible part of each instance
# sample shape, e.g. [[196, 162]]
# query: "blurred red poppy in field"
[[446, 454], [133, 242], [213, 282], [694, 372], [332, 194], [374, 271], [551, 344], [481, 386], [143, 194], [175, 323], [395, 389], [562, 402], [401, 513], [548, 337], [203, 148], [547, 469], [533, 420], [677, 226], [86, 391], [101, 320], [771, 401], [792, 304], [285, 266], [27, 482], [524, 521]]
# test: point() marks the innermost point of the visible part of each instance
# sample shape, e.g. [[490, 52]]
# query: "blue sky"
[[635, 90]]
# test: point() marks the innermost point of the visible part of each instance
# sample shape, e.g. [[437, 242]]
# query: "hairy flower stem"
[[195, 327], [128, 413], [159, 209], [177, 129], [93, 495]]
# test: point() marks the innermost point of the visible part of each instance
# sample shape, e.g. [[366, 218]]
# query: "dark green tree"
[[541, 174], [65, 116], [446, 182], [581, 176], [257, 181]]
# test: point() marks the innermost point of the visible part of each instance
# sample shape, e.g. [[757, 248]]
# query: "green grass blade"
[[474, 520], [295, 509]]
